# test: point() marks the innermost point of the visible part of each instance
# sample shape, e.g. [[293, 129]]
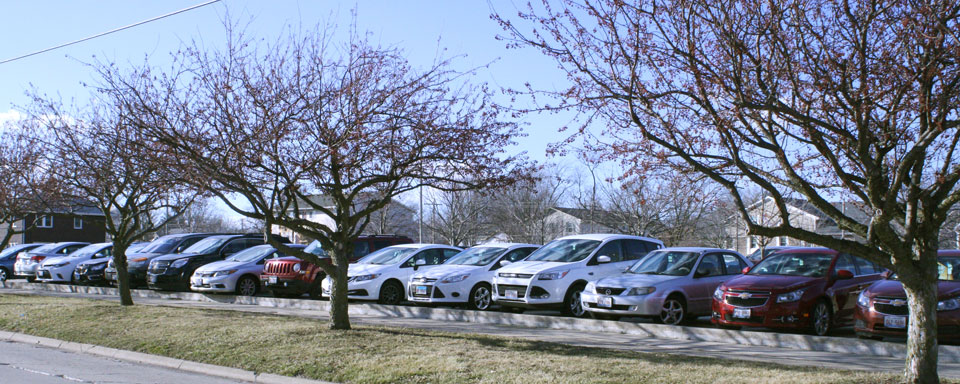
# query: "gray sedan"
[[671, 285]]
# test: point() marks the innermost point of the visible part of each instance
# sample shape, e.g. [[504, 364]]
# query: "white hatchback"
[[239, 273], [60, 269], [466, 278], [382, 275], [555, 275]]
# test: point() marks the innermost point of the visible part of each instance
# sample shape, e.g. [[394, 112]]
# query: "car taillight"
[[37, 258]]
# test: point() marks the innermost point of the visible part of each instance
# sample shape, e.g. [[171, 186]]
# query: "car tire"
[[316, 289], [31, 279], [673, 311], [821, 322], [247, 286], [481, 297], [391, 293], [572, 306], [4, 274]]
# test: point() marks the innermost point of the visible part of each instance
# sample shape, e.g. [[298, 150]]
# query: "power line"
[[109, 32]]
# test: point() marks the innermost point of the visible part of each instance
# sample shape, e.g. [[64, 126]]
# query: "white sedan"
[[60, 269], [466, 278], [239, 273], [383, 275]]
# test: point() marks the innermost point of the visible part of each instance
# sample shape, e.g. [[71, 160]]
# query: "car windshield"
[[161, 245], [476, 256], [387, 256], [207, 245], [948, 268], [86, 251], [46, 248], [794, 264], [11, 250], [136, 247], [564, 251], [316, 249], [252, 254], [672, 263]]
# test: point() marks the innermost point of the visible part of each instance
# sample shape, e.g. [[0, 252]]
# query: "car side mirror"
[[418, 263], [603, 259], [745, 270], [504, 263], [886, 274], [844, 274]]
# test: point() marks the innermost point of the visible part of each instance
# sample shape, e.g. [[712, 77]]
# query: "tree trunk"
[[123, 277], [339, 316], [921, 363]]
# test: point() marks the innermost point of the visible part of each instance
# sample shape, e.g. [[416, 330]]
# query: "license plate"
[[510, 294], [204, 281], [272, 279], [895, 321], [741, 313], [421, 290], [605, 302]]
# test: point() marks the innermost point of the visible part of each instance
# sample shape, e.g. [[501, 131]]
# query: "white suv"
[[554, 276]]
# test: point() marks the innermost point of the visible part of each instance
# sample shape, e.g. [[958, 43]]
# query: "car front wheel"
[[572, 303], [4, 275], [247, 286], [391, 293], [673, 311], [822, 321], [480, 297]]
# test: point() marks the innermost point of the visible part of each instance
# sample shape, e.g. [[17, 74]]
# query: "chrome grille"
[[516, 275]]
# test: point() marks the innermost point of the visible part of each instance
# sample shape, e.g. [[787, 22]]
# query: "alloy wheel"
[[672, 312], [821, 319], [247, 287], [3, 274], [390, 294], [481, 298], [576, 307]]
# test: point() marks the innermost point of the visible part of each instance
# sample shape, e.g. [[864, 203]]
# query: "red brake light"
[[38, 258]]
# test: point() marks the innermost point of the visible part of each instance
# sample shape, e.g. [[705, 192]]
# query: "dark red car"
[[292, 277], [811, 289], [882, 307]]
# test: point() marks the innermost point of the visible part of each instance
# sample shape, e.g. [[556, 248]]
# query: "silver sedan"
[[671, 285]]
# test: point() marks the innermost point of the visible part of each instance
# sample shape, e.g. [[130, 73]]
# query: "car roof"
[[697, 249], [506, 245], [607, 236], [422, 245], [809, 250], [948, 252]]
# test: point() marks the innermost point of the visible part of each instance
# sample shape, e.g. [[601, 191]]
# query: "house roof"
[[596, 216]]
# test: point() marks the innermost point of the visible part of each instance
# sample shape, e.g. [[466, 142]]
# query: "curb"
[[948, 354], [159, 361]]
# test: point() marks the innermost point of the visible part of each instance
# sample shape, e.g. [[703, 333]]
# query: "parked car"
[[238, 274], [28, 262], [382, 276], [8, 257], [60, 269], [138, 261], [292, 277], [467, 277], [670, 285], [763, 252], [811, 289], [172, 272], [882, 307], [93, 271], [555, 275]]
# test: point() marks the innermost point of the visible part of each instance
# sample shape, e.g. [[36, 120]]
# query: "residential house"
[[80, 222], [802, 215], [575, 221], [396, 218]]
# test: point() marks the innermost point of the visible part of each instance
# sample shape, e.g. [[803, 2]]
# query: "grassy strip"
[[306, 348]]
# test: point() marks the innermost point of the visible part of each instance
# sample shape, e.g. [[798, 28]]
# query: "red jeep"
[[292, 277]]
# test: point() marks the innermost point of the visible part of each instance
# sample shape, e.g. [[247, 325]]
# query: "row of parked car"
[[603, 276]]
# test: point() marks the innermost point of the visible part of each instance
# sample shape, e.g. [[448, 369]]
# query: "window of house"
[[45, 222], [571, 228], [753, 242], [783, 241], [77, 223]]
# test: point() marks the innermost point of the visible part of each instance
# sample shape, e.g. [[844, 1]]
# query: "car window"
[[651, 246], [670, 263], [710, 265], [431, 256], [382, 244], [845, 262], [187, 243], [611, 250], [634, 249], [361, 248], [71, 248], [234, 246], [518, 254], [866, 267], [732, 264]]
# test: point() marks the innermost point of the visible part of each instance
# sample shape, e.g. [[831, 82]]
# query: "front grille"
[[610, 290], [516, 275], [278, 268], [752, 319], [413, 291], [423, 280], [81, 269], [886, 305], [736, 301], [159, 267], [616, 307], [521, 290]]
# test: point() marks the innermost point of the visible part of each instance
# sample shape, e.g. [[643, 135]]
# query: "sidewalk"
[[637, 343]]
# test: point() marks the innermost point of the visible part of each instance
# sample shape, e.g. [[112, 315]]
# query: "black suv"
[[137, 262], [172, 272]]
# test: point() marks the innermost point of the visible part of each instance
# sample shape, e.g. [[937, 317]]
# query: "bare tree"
[[460, 217], [277, 123], [26, 189], [857, 101], [521, 211], [395, 218], [198, 217]]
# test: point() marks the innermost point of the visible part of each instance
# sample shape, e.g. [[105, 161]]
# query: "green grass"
[[306, 348]]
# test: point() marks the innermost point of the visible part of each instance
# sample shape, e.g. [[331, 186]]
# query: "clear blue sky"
[[418, 27]]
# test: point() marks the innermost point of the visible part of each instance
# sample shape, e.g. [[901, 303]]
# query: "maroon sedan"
[[882, 308], [811, 289]]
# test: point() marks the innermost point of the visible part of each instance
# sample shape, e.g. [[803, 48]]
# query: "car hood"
[[284, 259], [772, 283], [534, 267], [148, 255], [55, 260], [368, 269], [893, 288], [176, 256], [47, 255], [95, 261], [222, 265], [630, 280], [442, 270]]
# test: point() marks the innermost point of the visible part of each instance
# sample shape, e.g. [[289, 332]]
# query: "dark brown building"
[[82, 223]]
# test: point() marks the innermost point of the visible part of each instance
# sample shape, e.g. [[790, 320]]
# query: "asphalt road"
[[23, 363]]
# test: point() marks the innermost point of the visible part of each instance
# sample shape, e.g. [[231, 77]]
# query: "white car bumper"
[[364, 290], [61, 274], [644, 305], [28, 269], [529, 292], [431, 292], [223, 284]]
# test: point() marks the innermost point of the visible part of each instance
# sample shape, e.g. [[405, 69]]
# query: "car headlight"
[[137, 260], [591, 287], [97, 267], [57, 265], [553, 275], [790, 296], [863, 300], [357, 279], [179, 263], [640, 291], [224, 273], [296, 267], [454, 278], [718, 294], [949, 304]]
